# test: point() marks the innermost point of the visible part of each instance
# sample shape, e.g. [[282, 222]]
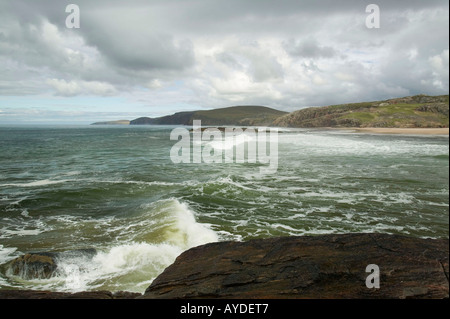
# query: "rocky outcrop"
[[44, 265], [323, 267], [29, 266], [419, 111], [327, 266]]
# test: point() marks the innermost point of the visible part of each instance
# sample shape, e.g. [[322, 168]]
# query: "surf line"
[[212, 145]]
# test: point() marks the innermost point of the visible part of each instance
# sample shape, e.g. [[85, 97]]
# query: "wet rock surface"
[[44, 265], [326, 266], [323, 267]]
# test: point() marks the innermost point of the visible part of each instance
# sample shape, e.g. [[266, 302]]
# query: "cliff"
[[420, 111], [235, 115], [322, 267]]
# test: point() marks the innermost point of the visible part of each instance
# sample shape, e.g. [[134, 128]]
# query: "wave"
[[6, 253], [23, 226], [130, 267], [174, 222], [43, 182], [332, 145], [146, 243], [228, 180], [229, 142]]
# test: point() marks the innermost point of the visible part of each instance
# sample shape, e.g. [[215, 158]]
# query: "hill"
[[119, 122], [414, 111], [248, 115], [419, 111]]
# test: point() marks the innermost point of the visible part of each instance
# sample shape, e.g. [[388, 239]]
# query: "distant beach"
[[411, 131]]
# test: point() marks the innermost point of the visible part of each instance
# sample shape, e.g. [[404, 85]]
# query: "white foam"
[[72, 173], [43, 182], [25, 213], [228, 180], [131, 264], [123, 267], [16, 227], [8, 233], [228, 142], [189, 232], [342, 144], [6, 254], [135, 262]]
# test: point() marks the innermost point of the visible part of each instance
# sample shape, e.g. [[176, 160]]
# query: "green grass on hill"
[[414, 111], [239, 115]]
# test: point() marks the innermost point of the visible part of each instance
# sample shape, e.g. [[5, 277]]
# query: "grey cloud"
[[308, 48], [103, 49], [286, 53], [152, 52], [129, 37], [228, 59], [252, 58]]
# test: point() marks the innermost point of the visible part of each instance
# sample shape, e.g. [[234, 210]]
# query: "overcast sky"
[[156, 57]]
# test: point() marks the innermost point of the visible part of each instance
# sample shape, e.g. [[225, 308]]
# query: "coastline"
[[406, 131], [330, 266]]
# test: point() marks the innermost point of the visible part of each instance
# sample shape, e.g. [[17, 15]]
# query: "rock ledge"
[[320, 267], [326, 266]]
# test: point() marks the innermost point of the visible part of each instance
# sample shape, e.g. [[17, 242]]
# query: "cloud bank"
[[177, 55]]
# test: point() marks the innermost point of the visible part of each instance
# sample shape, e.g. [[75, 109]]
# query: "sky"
[[156, 57]]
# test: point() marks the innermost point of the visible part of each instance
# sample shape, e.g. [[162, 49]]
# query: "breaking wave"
[[161, 232]]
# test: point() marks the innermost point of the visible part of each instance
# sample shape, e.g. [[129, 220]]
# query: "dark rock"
[[44, 265], [34, 294], [441, 108], [326, 266], [35, 265], [323, 267]]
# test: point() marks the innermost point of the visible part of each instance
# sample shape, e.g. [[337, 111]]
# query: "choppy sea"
[[116, 189]]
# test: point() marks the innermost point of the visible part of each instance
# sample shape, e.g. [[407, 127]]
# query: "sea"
[[118, 190]]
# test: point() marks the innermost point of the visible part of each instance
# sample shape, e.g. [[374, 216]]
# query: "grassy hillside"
[[239, 115], [413, 111], [235, 115]]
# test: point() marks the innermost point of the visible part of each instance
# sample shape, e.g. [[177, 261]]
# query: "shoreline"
[[405, 131], [331, 267]]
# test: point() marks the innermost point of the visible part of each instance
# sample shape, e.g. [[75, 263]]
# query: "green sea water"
[[116, 189]]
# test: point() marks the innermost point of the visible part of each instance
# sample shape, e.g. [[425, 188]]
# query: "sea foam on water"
[[132, 266]]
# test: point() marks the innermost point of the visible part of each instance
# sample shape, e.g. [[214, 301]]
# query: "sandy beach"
[[412, 131]]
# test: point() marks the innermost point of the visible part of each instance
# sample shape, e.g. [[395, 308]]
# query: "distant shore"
[[409, 131]]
